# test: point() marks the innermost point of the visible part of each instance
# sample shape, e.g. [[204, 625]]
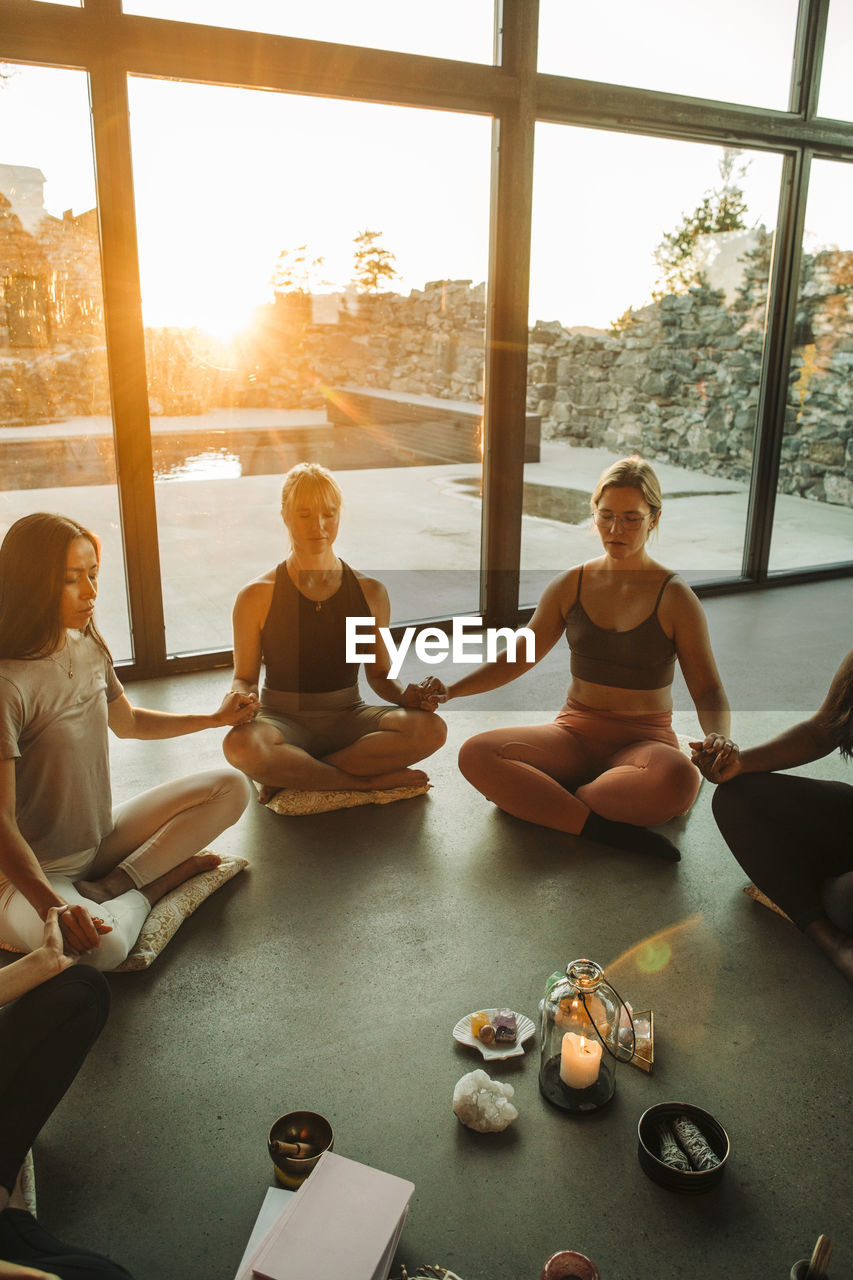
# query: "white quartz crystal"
[[482, 1103]]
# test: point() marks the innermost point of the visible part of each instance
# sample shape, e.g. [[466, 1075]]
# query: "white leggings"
[[152, 833]]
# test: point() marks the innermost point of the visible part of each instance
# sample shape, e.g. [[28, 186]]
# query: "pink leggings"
[[626, 768]]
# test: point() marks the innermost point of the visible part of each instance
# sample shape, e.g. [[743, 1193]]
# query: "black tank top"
[[642, 658], [303, 642]]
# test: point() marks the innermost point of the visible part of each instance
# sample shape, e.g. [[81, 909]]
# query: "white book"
[[345, 1219], [274, 1203]]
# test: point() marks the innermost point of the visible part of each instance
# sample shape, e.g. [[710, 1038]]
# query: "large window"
[[647, 333], [813, 522], [734, 52], [313, 289], [56, 437], [465, 272], [836, 86]]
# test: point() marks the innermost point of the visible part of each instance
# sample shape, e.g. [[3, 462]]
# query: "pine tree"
[[677, 257], [372, 262], [295, 270]]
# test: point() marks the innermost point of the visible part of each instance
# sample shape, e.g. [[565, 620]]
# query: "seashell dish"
[[494, 1052]]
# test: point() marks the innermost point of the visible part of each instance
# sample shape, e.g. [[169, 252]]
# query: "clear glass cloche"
[[585, 1030]]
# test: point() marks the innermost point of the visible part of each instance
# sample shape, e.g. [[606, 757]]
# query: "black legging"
[[44, 1038], [793, 836]]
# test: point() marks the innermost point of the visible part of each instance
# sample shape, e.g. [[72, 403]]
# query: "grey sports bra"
[[642, 658]]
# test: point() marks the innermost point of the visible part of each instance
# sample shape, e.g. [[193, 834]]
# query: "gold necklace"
[[305, 578], [69, 670]]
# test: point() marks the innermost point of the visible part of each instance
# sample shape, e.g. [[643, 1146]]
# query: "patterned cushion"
[[755, 893], [167, 915], [298, 803]]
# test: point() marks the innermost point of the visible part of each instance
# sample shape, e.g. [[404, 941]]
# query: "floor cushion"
[[294, 803], [169, 913]]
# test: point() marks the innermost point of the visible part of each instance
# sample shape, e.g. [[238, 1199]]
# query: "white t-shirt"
[[55, 728]]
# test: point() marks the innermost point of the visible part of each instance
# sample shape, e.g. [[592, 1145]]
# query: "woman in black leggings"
[[56, 1015], [794, 836]]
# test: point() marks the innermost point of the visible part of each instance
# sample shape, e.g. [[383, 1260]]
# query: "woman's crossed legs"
[[154, 846], [579, 775], [333, 742]]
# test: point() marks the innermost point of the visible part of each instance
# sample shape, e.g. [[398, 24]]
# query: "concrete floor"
[[331, 974]]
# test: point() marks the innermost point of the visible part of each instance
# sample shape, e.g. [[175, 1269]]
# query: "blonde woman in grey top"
[[61, 843]]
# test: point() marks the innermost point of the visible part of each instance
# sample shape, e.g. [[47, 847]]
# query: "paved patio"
[[416, 527]]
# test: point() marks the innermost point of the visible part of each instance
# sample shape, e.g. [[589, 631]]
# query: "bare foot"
[[110, 886], [192, 866], [266, 794], [398, 778]]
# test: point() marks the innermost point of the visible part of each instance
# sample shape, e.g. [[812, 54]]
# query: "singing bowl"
[[299, 1126], [569, 1265], [696, 1181]]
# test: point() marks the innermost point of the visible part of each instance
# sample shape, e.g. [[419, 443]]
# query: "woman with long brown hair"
[[61, 844]]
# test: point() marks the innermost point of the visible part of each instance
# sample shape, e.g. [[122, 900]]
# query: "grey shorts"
[[320, 723]]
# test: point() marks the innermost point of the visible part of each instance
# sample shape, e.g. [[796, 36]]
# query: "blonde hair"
[[631, 473], [309, 484]]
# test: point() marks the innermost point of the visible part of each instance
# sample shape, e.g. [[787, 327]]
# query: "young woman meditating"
[[792, 835], [313, 731], [61, 844], [609, 766]]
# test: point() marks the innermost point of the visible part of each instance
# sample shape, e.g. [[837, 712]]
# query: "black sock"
[[624, 835]]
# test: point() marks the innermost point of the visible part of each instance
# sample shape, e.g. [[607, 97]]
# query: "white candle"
[[580, 1061]]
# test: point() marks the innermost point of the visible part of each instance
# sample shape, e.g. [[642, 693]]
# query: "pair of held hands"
[[717, 758], [236, 708], [427, 695]]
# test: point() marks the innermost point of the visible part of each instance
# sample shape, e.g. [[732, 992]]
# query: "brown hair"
[[33, 559], [310, 483]]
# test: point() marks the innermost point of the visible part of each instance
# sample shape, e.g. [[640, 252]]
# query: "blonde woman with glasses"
[[609, 766]]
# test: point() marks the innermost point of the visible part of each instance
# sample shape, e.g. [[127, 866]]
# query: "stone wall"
[[52, 352], [677, 380], [427, 343]]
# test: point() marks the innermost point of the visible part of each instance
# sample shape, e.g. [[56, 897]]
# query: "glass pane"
[[836, 89], [443, 29], [813, 520], [56, 443], [735, 53], [647, 335], [306, 248]]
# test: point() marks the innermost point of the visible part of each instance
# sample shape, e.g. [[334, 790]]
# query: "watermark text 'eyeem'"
[[432, 645]]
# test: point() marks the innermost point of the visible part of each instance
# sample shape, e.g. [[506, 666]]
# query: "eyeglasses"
[[631, 520]]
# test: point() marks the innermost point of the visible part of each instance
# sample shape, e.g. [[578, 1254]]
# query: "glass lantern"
[[586, 1029]]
